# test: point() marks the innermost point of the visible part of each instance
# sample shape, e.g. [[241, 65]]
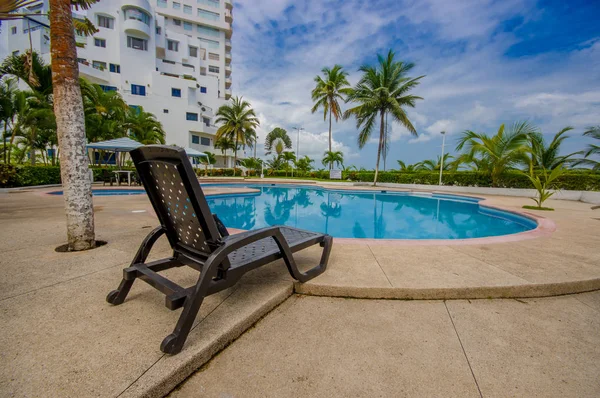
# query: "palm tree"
[[288, 157], [407, 168], [382, 90], [206, 160], [8, 90], [143, 127], [238, 120], [252, 164], [304, 164], [224, 144], [592, 149], [272, 138], [497, 153], [34, 114], [106, 113], [434, 164], [546, 156], [31, 69], [332, 158], [328, 92]]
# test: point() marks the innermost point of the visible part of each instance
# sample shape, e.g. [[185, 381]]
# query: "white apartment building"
[[173, 58]]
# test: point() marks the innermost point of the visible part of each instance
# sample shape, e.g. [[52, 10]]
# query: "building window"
[[191, 116], [187, 9], [213, 16], [13, 30], [177, 22], [138, 44], [213, 56], [176, 92], [206, 31], [172, 45], [205, 141], [137, 14], [187, 25], [195, 139], [210, 43], [193, 51], [161, 3], [114, 68], [107, 88], [206, 121], [212, 3], [138, 90], [106, 22], [100, 42], [176, 6], [99, 65], [136, 108], [213, 69], [158, 30], [203, 90], [165, 111]]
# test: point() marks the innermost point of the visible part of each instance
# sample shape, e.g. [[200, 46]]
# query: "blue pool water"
[[110, 192], [360, 214]]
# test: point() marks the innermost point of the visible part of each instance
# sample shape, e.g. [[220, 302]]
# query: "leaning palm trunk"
[[330, 164], [235, 154], [70, 126], [381, 136]]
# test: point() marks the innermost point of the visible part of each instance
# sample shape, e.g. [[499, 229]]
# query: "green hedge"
[[577, 180], [25, 175]]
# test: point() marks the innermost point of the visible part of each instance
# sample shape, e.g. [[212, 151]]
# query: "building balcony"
[[227, 93], [227, 58], [228, 44], [228, 16], [228, 4], [227, 70], [136, 27], [228, 32], [228, 82], [95, 75]]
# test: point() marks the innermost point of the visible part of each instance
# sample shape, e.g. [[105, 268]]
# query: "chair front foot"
[[170, 345]]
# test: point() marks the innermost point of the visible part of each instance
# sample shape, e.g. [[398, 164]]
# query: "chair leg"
[[118, 296], [173, 343], [290, 263]]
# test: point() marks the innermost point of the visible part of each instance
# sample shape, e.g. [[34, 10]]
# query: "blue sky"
[[486, 63]]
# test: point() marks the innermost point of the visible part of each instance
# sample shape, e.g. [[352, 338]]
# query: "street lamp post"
[[297, 146], [442, 158]]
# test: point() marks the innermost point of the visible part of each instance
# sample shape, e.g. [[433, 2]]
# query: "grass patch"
[[538, 208]]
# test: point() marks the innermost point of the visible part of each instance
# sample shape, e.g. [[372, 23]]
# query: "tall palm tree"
[[277, 134], [546, 155], [330, 158], [68, 109], [498, 153], [206, 160], [381, 90], [106, 113], [591, 149], [144, 127], [237, 120], [328, 92], [8, 90], [31, 69], [224, 144]]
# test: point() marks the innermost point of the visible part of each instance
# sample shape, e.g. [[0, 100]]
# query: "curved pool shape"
[[364, 214], [110, 192]]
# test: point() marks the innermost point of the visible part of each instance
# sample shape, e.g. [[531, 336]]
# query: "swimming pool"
[[364, 214]]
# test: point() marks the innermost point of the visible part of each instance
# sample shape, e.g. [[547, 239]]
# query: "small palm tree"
[[546, 155], [304, 164], [237, 119], [381, 90], [592, 149], [407, 168], [224, 144], [144, 127], [288, 157], [434, 164], [497, 153], [543, 182], [332, 158], [277, 134], [328, 92], [209, 159]]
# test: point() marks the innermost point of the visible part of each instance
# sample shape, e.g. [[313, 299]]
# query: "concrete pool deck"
[[58, 337]]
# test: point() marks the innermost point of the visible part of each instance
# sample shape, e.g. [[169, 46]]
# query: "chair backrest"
[[173, 189]]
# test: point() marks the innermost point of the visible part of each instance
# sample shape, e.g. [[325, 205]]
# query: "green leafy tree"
[[434, 164], [382, 90], [207, 160], [331, 158], [288, 157], [238, 123], [224, 144], [276, 135], [8, 91], [107, 116], [304, 164], [592, 149], [407, 168], [328, 93], [546, 155], [144, 127], [498, 153]]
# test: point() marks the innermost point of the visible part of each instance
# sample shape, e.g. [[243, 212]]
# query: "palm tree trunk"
[[330, 164], [32, 153], [381, 134], [70, 128], [4, 141], [235, 154], [255, 139]]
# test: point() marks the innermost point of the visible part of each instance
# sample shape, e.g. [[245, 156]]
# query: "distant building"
[[173, 58]]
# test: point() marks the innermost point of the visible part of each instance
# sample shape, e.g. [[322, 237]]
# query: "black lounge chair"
[[200, 241]]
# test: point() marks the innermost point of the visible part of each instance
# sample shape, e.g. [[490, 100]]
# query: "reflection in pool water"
[[357, 214]]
